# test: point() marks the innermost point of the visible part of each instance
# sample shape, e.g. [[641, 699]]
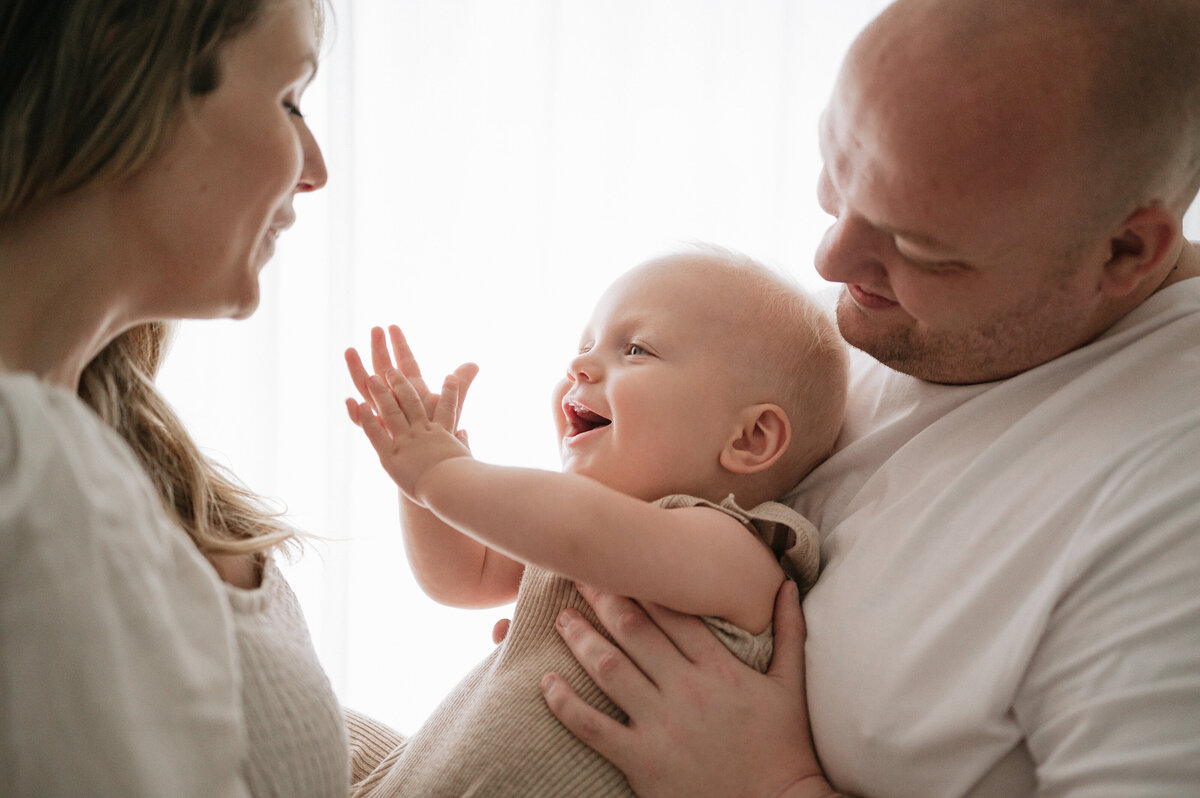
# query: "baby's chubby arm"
[[450, 567], [695, 560]]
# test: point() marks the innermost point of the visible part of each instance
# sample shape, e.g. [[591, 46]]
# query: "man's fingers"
[[635, 632], [611, 739], [787, 663], [687, 633], [612, 671]]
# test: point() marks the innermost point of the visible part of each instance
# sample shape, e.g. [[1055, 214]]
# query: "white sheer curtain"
[[493, 165]]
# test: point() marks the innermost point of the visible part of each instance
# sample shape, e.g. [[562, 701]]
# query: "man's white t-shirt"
[[1010, 596]]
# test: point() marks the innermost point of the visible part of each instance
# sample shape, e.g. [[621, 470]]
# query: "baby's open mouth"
[[581, 419]]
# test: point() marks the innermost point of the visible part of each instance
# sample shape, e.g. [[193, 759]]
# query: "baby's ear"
[[759, 441]]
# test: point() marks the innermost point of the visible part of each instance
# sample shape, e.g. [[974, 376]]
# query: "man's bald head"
[[1106, 90]]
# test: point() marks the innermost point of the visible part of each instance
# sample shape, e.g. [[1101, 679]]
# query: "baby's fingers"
[[406, 362], [380, 440], [388, 406], [358, 373], [446, 413], [381, 360], [466, 375], [353, 411], [407, 398]]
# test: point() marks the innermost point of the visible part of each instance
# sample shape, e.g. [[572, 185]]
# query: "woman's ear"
[[1138, 248], [759, 441]]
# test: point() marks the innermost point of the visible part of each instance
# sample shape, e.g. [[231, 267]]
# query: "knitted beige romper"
[[494, 736]]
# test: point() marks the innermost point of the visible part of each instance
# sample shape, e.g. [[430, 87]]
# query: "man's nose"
[[851, 251]]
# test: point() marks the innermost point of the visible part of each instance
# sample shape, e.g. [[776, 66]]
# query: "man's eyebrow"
[[920, 239]]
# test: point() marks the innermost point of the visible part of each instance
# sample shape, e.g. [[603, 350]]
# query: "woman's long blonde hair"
[[221, 515], [91, 89]]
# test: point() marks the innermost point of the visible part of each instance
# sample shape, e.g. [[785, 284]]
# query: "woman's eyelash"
[[293, 108]]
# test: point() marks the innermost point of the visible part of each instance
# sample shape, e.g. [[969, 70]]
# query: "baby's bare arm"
[[449, 566], [695, 560], [453, 568]]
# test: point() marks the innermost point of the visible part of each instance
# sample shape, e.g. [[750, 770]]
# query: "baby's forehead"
[[669, 295], [710, 280]]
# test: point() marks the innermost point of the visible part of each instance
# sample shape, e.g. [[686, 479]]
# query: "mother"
[[150, 152]]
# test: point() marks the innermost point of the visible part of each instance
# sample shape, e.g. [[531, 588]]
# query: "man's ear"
[[1138, 248], [759, 441]]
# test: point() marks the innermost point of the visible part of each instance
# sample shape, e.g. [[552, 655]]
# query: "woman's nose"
[[312, 172]]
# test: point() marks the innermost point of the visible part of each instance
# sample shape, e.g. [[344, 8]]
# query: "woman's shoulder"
[[51, 442], [96, 580], [70, 487], [42, 425]]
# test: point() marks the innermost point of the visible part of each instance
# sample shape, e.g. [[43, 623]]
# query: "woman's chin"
[[245, 310]]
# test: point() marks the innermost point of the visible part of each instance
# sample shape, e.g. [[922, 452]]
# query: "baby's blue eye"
[[634, 349]]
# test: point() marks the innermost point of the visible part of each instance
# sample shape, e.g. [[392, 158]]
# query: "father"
[[1010, 600]]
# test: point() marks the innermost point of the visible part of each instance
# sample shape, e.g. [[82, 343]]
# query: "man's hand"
[[701, 723]]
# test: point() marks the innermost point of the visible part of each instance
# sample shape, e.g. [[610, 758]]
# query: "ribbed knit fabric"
[[494, 736], [297, 741], [370, 743]]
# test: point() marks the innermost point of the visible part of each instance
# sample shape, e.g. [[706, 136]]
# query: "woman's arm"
[[701, 723]]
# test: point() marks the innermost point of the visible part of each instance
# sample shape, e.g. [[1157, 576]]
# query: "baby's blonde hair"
[[788, 352]]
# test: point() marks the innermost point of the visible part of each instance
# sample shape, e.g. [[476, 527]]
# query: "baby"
[[705, 386]]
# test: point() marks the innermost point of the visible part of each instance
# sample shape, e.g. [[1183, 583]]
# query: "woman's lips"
[[868, 301]]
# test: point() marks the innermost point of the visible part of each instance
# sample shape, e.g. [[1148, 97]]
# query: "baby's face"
[[651, 399]]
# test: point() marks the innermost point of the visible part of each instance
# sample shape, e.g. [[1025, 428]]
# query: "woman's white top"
[[126, 667], [298, 746], [119, 667]]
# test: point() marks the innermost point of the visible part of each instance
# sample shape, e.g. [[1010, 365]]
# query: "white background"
[[494, 164]]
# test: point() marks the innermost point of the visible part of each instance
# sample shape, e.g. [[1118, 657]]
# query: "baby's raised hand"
[[406, 364], [408, 442]]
